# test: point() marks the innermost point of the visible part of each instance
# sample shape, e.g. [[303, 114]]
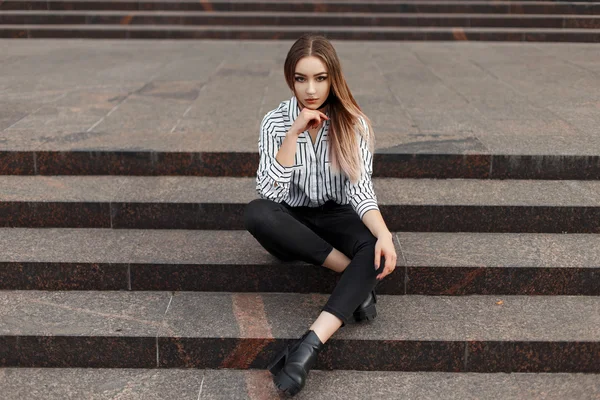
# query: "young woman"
[[317, 201]]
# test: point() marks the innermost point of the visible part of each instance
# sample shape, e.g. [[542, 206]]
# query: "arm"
[[364, 201], [274, 170]]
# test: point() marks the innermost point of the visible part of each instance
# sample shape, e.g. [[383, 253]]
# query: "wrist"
[[385, 235]]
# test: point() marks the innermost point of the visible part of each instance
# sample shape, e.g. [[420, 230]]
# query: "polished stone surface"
[[421, 205], [239, 330], [134, 384], [467, 97], [428, 263], [482, 112], [227, 190], [258, 18]]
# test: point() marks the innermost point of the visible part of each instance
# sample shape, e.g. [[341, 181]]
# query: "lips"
[[311, 100]]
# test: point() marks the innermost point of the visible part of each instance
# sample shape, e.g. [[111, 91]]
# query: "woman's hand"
[[385, 247], [307, 119]]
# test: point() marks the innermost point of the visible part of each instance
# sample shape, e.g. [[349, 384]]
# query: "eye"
[[321, 80], [299, 79]]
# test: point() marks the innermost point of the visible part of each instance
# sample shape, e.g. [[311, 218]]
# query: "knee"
[[366, 245], [257, 213]]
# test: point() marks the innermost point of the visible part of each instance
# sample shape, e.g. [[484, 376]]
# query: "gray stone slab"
[[231, 384], [71, 245], [360, 385], [199, 247], [495, 97], [99, 383], [499, 249], [204, 315], [551, 318], [394, 191], [82, 313], [287, 315]]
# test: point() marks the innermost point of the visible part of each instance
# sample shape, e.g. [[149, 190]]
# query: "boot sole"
[[286, 384]]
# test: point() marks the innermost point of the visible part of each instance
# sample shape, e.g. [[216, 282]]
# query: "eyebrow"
[[320, 73]]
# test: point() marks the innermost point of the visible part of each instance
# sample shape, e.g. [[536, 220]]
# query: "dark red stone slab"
[[514, 219], [147, 163], [17, 163], [292, 32], [389, 165], [9, 351], [499, 281], [55, 215], [63, 276], [277, 277], [556, 357], [496, 7], [304, 19], [227, 216], [86, 352], [442, 166]]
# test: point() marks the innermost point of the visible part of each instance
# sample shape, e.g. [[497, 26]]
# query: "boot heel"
[[279, 361], [367, 314]]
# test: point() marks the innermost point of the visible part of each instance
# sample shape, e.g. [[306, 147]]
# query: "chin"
[[313, 106]]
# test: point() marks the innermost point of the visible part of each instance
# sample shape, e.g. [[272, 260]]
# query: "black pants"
[[309, 234]]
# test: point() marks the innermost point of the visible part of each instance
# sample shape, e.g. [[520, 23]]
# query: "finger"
[[323, 115], [377, 257]]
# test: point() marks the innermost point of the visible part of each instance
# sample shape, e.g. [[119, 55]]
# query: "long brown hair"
[[344, 112]]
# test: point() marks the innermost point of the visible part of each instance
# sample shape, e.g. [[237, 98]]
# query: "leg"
[[342, 227], [336, 261], [284, 234]]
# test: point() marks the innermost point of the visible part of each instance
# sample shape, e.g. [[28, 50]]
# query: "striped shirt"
[[310, 181]]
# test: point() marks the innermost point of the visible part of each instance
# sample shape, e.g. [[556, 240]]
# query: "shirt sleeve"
[[272, 178], [361, 194]]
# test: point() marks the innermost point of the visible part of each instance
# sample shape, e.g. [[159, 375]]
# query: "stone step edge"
[[253, 346], [228, 216], [299, 28], [430, 280], [354, 385], [244, 164], [61, 259], [292, 14]]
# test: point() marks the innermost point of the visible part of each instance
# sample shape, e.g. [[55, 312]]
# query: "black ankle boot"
[[366, 311], [291, 367]]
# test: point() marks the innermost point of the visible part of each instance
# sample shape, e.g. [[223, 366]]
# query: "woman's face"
[[311, 81]]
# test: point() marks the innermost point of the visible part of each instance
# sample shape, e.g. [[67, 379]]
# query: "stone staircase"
[[155, 272], [125, 272], [489, 20]]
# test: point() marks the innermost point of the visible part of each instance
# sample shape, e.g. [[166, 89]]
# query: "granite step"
[[296, 18], [323, 6], [454, 264], [292, 32], [228, 384], [386, 164], [414, 205], [120, 329]]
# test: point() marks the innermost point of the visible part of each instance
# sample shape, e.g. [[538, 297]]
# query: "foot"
[[291, 367], [366, 311]]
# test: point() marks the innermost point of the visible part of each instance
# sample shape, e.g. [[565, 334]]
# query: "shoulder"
[[277, 113], [362, 123], [274, 122]]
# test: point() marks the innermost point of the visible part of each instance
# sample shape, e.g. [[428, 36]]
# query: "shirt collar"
[[293, 109]]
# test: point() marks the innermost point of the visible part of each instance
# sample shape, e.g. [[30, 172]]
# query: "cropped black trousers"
[[309, 234]]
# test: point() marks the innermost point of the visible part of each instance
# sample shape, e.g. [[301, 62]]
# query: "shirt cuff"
[[279, 173], [365, 205]]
